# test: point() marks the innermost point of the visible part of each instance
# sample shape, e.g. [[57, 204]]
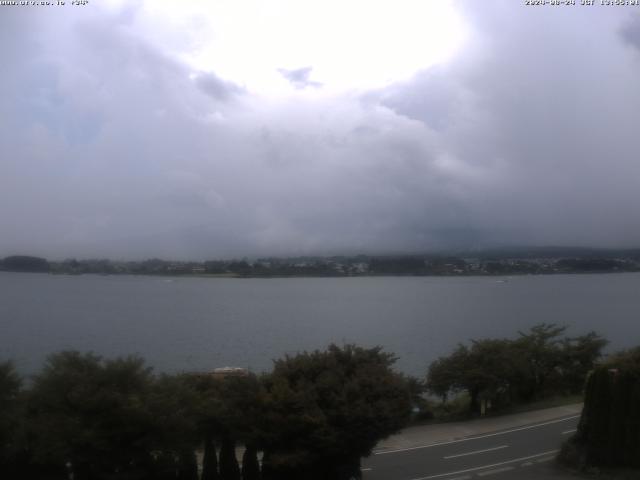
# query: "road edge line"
[[439, 475], [468, 439]]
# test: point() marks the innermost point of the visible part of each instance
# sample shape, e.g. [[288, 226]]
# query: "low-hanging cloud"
[[115, 147]]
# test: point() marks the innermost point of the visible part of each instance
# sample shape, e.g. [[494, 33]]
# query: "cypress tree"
[[210, 460], [229, 469], [267, 472], [609, 430], [250, 465], [188, 466], [164, 467]]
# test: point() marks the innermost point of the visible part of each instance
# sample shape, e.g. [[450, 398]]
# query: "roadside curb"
[[425, 435]]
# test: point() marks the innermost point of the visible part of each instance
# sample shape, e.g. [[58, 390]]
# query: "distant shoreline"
[[470, 264], [366, 275]]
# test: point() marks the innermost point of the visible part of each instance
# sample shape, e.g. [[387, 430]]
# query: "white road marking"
[[365, 469], [384, 452], [497, 470], [465, 477], [569, 431], [487, 466], [477, 451]]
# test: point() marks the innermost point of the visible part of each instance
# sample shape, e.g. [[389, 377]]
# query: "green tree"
[[188, 465], [25, 263], [250, 465], [92, 414], [484, 370], [209, 418], [538, 363], [609, 429], [175, 434], [445, 374], [209, 459], [540, 350], [490, 372], [228, 412], [10, 420], [326, 409], [240, 408], [579, 357], [229, 468]]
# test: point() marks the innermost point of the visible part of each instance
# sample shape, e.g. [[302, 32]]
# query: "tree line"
[[419, 265], [313, 416], [496, 373]]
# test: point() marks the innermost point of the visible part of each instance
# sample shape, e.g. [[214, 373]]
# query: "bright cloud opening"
[[359, 44]]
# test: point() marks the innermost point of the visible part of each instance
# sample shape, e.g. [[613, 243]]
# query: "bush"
[[609, 429]]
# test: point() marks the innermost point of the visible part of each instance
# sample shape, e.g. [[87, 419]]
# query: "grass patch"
[[457, 409], [550, 402]]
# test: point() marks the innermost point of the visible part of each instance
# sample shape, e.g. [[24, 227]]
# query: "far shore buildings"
[[225, 372], [221, 373]]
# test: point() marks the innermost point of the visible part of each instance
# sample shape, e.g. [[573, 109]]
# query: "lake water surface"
[[182, 324]]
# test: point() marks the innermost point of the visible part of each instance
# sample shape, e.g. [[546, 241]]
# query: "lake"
[[184, 324]]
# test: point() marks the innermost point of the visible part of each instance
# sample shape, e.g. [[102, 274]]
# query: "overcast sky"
[[132, 129]]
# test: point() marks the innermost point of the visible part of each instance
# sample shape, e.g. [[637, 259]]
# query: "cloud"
[[217, 88], [115, 146], [545, 121], [631, 31], [299, 77]]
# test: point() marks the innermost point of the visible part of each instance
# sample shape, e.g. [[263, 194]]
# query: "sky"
[[218, 129]]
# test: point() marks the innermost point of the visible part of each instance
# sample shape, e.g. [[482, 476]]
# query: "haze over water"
[[183, 324]]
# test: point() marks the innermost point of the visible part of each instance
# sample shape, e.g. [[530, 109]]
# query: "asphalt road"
[[517, 453]]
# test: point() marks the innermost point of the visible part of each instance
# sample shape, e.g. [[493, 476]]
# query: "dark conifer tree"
[[188, 466], [229, 469], [609, 429], [164, 467], [250, 465], [210, 460]]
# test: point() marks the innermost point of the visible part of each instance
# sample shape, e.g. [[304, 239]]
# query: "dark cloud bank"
[[111, 147]]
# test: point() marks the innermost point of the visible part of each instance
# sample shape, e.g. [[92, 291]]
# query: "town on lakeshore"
[[507, 261]]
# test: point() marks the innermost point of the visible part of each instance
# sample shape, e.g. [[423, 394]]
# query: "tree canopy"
[[24, 263], [313, 416], [326, 409], [91, 413], [609, 429], [10, 385], [538, 363]]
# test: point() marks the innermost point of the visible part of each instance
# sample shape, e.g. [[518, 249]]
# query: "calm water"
[[201, 323]]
